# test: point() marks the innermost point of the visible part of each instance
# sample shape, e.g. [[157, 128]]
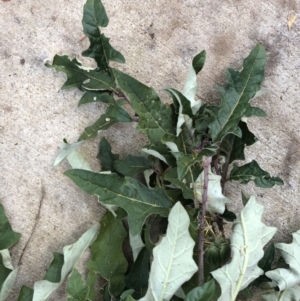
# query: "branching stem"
[[206, 164]]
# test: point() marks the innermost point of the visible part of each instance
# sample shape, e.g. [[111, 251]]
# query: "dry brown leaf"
[[291, 19]]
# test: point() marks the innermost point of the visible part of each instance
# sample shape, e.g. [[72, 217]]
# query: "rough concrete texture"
[[158, 39]]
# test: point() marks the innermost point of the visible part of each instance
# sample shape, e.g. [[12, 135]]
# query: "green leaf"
[[156, 119], [215, 199], [7, 274], [191, 86], [247, 241], [7, 236], [234, 146], [185, 113], [138, 276], [241, 87], [79, 77], [287, 278], [113, 114], [173, 262], [95, 96], [53, 273], [26, 294], [94, 15], [126, 293], [131, 165], [105, 155], [204, 292], [138, 200], [265, 264], [44, 289], [252, 172], [172, 177], [184, 162], [289, 294], [107, 255], [76, 287], [74, 157], [4, 272]]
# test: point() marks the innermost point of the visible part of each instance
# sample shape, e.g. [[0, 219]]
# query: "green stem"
[[206, 164]]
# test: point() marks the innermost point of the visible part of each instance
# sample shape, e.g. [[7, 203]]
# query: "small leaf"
[[204, 292], [4, 272], [113, 114], [247, 241], [26, 294], [215, 199], [44, 289], [138, 276], [234, 146], [156, 119], [289, 294], [252, 172], [131, 165], [240, 88], [125, 294], [105, 155], [138, 200], [74, 157], [173, 262], [287, 278], [95, 96], [7, 236], [191, 86], [78, 77], [53, 273], [107, 255], [184, 162], [76, 287], [94, 15]]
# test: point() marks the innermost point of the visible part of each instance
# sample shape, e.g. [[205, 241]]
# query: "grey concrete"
[[158, 39]]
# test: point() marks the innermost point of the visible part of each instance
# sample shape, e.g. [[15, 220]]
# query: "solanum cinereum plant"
[[170, 201]]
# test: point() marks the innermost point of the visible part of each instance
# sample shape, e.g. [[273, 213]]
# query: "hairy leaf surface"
[[173, 262], [107, 255], [241, 87], [247, 241], [138, 200], [287, 278], [94, 16], [252, 172]]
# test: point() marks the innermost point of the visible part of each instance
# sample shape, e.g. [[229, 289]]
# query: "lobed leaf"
[[79, 77], [173, 262], [287, 278], [247, 241], [94, 15], [107, 255], [138, 200], [241, 87], [252, 172]]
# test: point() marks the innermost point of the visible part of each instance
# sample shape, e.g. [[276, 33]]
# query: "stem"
[[206, 164], [224, 174]]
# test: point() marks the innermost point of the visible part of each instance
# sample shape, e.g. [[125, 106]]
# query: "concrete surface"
[[158, 39]]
